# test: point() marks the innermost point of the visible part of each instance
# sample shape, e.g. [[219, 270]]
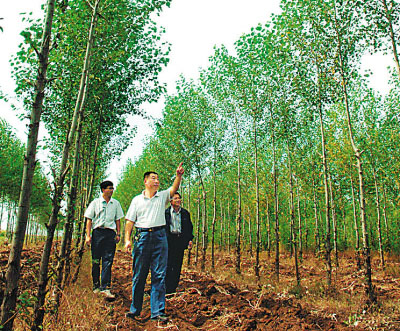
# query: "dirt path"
[[202, 303]]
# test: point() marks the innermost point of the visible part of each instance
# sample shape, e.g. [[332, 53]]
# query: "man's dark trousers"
[[103, 250], [175, 259]]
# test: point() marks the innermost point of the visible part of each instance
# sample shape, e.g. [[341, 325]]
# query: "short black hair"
[[105, 184], [180, 197], [148, 173]]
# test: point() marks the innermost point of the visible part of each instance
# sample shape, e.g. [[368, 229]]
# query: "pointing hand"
[[180, 170]]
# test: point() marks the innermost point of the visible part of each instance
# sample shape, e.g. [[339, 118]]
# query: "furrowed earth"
[[222, 300]]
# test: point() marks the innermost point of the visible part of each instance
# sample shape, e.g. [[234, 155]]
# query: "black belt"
[[154, 229], [176, 234], [103, 228]]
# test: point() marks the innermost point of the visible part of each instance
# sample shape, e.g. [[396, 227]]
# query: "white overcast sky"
[[193, 27]]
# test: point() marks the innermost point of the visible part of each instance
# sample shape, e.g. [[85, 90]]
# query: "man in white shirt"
[[150, 250], [103, 233]]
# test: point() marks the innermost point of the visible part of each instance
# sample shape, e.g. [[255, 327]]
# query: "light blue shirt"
[[175, 227], [103, 214]]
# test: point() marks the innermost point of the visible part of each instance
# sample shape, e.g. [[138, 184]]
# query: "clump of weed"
[[316, 289], [297, 290], [392, 271]]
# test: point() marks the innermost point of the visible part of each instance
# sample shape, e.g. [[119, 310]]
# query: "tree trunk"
[[387, 242], [239, 204], [316, 231], [250, 233], [257, 265], [71, 202], [357, 153], [276, 202], [198, 230], [356, 231], [214, 205], [43, 272], [37, 233], [393, 38], [268, 228], [290, 239], [326, 191], [378, 214], [87, 198], [83, 182], [276, 215], [9, 220], [334, 221], [293, 238], [64, 255], [305, 226], [8, 312], [213, 222], [343, 209], [229, 229], [204, 221], [2, 202], [300, 224], [222, 230], [189, 197], [28, 222]]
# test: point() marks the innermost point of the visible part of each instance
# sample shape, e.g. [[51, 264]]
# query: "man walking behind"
[[103, 216], [180, 234], [150, 249]]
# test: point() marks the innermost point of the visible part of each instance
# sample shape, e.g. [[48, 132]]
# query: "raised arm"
[[177, 181]]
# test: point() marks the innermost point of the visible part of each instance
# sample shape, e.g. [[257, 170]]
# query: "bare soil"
[[223, 300], [204, 303]]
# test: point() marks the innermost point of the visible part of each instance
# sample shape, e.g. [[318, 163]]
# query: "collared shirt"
[[147, 212], [104, 214], [175, 227]]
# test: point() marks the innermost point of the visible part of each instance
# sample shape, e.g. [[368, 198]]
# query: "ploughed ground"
[[201, 302], [223, 300]]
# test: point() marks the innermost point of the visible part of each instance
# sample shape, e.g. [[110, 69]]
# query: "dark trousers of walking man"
[[174, 267], [103, 250]]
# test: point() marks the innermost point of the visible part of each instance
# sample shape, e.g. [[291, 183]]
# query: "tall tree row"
[[308, 148], [102, 63]]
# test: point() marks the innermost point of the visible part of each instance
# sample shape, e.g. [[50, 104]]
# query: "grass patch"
[[80, 308], [392, 271]]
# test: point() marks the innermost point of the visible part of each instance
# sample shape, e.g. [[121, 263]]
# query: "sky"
[[193, 27]]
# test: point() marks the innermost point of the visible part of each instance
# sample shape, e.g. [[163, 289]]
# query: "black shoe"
[[160, 318], [130, 315]]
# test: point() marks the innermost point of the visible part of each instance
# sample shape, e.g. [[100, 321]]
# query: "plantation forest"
[[290, 178]]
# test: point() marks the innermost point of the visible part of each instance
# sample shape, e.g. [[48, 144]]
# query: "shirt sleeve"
[[120, 212], [131, 214], [90, 211], [167, 197]]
